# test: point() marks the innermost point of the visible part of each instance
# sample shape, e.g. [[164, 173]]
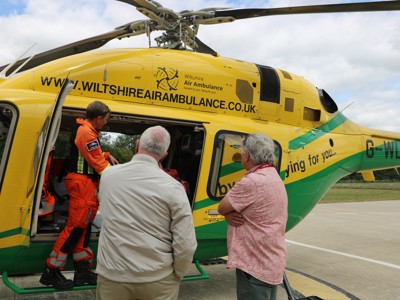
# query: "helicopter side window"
[[226, 166], [8, 119], [270, 85]]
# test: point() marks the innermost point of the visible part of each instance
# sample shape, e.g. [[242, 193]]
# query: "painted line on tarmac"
[[312, 285], [386, 264]]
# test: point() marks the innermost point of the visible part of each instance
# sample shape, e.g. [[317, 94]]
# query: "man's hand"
[[234, 219], [113, 160]]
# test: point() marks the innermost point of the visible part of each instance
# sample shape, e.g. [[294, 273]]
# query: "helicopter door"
[[226, 167], [8, 117], [49, 142]]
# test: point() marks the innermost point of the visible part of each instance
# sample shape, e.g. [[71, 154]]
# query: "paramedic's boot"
[[53, 276], [83, 273]]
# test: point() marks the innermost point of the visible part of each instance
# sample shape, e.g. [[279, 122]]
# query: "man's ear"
[[246, 157], [162, 158], [97, 121], [137, 146]]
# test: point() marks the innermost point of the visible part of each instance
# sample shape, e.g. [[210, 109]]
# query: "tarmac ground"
[[339, 251]]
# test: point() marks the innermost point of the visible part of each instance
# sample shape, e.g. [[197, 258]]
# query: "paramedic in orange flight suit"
[[87, 162]]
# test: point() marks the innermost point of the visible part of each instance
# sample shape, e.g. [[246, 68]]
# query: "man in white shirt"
[[147, 240]]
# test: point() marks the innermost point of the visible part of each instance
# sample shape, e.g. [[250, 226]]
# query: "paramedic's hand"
[[113, 160], [234, 219]]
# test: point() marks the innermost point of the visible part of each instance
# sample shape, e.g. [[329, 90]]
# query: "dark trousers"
[[250, 288]]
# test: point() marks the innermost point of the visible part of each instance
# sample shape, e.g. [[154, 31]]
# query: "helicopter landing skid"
[[201, 276], [40, 290]]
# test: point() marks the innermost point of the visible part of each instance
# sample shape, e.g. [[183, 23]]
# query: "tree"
[[122, 147], [61, 148]]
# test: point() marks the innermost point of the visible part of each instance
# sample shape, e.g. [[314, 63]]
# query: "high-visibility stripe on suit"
[[87, 160]]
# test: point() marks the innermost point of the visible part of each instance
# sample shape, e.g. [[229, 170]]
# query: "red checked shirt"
[[258, 246]]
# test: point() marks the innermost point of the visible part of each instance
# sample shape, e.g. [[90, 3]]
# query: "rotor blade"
[[131, 2], [203, 48], [67, 50], [313, 9], [190, 39], [149, 4]]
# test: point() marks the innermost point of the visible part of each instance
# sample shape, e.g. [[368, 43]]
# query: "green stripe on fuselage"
[[316, 133], [304, 194], [225, 170], [12, 232], [230, 168]]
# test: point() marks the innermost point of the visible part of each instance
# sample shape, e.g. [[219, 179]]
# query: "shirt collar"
[[145, 158]]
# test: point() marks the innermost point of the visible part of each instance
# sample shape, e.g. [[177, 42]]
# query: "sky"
[[355, 57]]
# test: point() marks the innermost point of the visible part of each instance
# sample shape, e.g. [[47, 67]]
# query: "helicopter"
[[207, 102]]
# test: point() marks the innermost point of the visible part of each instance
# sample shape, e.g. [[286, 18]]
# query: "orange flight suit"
[[87, 163]]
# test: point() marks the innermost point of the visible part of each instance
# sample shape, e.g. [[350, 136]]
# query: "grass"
[[363, 191]]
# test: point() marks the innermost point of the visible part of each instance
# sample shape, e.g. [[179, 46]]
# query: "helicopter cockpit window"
[[327, 102], [8, 118], [226, 167]]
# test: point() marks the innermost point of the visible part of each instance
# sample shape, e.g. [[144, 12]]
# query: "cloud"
[[355, 57]]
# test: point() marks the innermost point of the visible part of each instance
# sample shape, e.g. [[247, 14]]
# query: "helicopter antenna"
[[3, 73], [351, 103], [21, 66]]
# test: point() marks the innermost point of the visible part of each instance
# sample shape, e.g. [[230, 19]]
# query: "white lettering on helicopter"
[[125, 91], [391, 149], [301, 166]]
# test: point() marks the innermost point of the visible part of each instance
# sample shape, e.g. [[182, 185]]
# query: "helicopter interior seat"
[[57, 180], [3, 130], [59, 191], [190, 155]]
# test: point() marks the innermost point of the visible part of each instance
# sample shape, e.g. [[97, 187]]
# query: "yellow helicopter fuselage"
[[208, 103]]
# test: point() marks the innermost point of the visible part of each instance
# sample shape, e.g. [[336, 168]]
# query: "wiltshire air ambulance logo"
[[167, 79]]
